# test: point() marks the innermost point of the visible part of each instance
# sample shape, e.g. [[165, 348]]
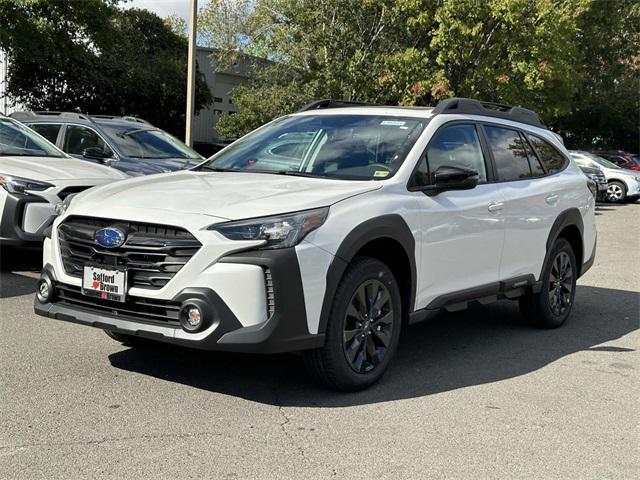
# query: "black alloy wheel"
[[368, 326]]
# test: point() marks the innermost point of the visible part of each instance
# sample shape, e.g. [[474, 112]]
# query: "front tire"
[[363, 328], [551, 307], [616, 191]]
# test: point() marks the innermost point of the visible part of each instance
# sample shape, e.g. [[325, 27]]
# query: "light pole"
[[191, 69]]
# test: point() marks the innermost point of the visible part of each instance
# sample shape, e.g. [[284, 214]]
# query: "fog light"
[[191, 318], [44, 290]]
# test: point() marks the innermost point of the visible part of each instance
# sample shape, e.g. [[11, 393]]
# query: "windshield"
[[602, 161], [148, 143], [356, 147], [18, 140]]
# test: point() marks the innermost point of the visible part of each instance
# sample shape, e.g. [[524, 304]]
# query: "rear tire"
[[363, 328], [616, 192], [551, 307]]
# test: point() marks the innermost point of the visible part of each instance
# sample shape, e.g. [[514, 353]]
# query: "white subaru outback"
[[327, 231], [35, 177]]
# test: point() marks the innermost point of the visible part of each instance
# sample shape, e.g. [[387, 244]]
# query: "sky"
[[164, 8]]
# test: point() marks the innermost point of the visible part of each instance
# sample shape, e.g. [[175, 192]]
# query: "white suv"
[[326, 231], [34, 177]]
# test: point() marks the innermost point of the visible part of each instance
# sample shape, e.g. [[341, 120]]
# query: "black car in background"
[[597, 181], [129, 144]]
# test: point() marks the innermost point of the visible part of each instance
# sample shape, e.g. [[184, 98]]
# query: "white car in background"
[[35, 176], [622, 184]]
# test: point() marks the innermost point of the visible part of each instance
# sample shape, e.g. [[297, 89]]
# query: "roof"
[[48, 116], [462, 106]]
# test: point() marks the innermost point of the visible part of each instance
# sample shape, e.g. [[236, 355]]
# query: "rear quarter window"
[[551, 158]]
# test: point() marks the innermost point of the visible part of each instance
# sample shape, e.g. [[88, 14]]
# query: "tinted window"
[[78, 138], [19, 140], [359, 147], [148, 143], [552, 160], [453, 146], [48, 131], [509, 152], [534, 163]]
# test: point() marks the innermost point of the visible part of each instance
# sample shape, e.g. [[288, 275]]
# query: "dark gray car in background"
[[129, 144]]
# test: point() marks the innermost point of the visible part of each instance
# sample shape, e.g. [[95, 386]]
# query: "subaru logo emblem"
[[110, 237]]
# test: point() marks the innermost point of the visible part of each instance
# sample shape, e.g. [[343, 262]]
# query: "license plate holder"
[[104, 283]]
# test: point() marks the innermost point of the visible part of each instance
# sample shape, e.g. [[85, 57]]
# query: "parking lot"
[[477, 394]]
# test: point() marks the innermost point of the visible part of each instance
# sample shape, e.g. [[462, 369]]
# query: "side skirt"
[[452, 302]]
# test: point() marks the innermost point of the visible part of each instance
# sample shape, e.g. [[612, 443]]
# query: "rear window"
[[47, 130], [551, 158], [509, 152]]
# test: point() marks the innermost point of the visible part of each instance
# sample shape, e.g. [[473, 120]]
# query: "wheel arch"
[[387, 238], [568, 225]]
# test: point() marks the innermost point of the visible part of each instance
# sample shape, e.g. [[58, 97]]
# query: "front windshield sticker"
[[395, 123], [380, 173]]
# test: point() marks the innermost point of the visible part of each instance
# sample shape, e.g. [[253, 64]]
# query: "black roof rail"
[[331, 103], [488, 109]]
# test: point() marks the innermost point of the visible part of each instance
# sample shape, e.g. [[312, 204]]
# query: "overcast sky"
[[164, 8]]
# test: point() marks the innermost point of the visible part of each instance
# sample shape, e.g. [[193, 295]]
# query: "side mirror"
[[452, 178], [95, 153]]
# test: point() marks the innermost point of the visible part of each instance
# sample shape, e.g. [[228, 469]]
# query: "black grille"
[[71, 191], [152, 254], [159, 312]]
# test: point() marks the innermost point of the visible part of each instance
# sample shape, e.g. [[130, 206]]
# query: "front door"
[[462, 230]]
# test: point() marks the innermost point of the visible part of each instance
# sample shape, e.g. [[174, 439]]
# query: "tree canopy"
[[92, 57], [576, 62]]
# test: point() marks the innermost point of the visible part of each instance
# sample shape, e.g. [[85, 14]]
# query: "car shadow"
[[21, 260], [451, 351]]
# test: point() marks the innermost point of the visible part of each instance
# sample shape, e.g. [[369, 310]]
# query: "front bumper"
[[284, 330], [25, 219]]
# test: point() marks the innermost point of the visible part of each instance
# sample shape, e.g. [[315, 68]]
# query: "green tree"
[[605, 107], [92, 57], [415, 52]]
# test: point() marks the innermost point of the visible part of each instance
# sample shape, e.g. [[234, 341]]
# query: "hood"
[[227, 195], [48, 169]]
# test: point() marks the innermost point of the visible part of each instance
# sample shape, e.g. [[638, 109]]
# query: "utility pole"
[[191, 70]]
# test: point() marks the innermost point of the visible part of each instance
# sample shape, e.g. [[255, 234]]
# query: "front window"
[[148, 143], [18, 140], [352, 147]]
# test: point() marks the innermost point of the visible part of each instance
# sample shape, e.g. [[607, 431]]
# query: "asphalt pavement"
[[472, 395]]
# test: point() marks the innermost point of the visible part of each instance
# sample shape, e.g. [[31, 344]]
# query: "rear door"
[[531, 202]]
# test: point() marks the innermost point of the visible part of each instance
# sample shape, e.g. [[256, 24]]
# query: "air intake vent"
[[271, 298]]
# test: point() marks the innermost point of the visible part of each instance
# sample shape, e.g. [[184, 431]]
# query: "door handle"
[[495, 206], [551, 199]]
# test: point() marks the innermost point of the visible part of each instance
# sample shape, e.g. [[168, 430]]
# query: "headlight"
[[21, 185], [280, 231], [62, 207]]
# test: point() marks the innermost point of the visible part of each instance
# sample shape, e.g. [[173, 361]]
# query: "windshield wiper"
[[216, 169]]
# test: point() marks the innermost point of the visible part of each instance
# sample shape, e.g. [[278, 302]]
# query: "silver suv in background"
[[622, 185], [128, 144]]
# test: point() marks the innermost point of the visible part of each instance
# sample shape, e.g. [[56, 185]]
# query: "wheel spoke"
[[353, 312], [381, 299], [385, 319], [349, 334], [382, 336], [353, 349]]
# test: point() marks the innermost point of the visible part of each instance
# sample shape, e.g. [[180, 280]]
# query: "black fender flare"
[[391, 226], [569, 217]]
